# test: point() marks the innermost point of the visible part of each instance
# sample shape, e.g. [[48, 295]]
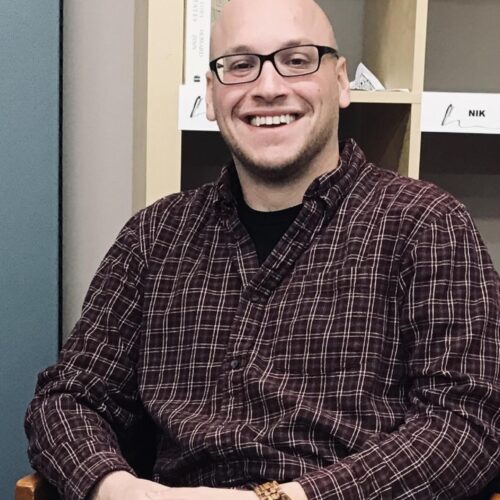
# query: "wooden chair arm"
[[35, 487]]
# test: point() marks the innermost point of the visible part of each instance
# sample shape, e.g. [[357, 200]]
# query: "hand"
[[294, 490], [203, 493], [122, 485]]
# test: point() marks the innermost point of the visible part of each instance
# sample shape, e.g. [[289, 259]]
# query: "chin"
[[281, 164], [273, 170]]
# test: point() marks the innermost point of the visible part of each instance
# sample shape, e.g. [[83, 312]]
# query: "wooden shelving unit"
[[159, 35], [409, 44]]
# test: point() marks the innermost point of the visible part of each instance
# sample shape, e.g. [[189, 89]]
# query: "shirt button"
[[257, 299], [234, 364]]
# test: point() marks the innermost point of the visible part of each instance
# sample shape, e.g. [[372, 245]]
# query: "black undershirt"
[[266, 228]]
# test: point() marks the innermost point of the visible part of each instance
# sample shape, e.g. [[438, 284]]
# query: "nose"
[[270, 84]]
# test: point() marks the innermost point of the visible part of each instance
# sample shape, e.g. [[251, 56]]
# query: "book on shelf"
[[199, 16]]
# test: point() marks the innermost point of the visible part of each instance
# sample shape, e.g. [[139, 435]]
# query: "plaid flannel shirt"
[[360, 359]]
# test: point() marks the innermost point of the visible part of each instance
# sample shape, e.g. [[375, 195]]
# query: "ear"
[[343, 83], [209, 101]]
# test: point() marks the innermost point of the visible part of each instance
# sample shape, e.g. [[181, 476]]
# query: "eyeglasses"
[[289, 62]]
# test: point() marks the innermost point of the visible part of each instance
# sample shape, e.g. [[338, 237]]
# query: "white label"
[[192, 112], [463, 113]]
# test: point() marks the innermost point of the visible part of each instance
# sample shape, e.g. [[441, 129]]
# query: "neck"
[[265, 196]]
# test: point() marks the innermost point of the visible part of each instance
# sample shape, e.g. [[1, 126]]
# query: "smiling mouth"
[[272, 121]]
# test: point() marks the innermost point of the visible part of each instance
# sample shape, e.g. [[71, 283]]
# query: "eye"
[[297, 61], [241, 65]]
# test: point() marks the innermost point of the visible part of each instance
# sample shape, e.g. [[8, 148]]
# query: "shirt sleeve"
[[89, 397], [449, 443]]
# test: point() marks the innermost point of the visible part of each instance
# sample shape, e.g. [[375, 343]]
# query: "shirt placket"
[[258, 284]]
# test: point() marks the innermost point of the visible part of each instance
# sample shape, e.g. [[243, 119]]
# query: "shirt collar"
[[330, 187]]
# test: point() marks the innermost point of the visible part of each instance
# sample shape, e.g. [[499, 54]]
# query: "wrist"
[[273, 490], [294, 490], [110, 484]]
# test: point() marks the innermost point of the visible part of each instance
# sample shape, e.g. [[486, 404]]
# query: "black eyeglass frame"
[[322, 50]]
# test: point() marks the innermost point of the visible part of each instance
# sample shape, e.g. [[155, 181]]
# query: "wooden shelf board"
[[385, 96]]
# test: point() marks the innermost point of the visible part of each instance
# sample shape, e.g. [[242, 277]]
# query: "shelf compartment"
[[468, 166], [463, 42], [382, 131], [388, 36], [203, 154]]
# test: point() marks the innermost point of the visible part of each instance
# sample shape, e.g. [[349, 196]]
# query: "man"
[[308, 318]]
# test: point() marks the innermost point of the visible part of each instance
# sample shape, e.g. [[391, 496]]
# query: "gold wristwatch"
[[270, 491]]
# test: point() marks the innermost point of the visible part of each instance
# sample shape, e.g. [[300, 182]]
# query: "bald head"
[[263, 26]]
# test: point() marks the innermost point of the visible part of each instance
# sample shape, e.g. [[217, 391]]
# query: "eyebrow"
[[246, 49]]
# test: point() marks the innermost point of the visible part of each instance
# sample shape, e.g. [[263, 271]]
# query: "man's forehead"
[[250, 48]]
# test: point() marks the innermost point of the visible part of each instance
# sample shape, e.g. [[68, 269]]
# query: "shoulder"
[[178, 206], [395, 214], [416, 202], [171, 216]]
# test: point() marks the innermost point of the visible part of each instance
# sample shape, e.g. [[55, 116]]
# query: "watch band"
[[270, 491]]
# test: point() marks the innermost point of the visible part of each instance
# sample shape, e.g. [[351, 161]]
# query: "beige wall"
[[97, 138]]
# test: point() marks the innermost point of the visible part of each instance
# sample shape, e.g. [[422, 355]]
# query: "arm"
[[84, 402], [449, 443], [122, 485]]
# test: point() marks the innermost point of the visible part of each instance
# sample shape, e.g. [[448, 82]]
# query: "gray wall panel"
[[29, 185]]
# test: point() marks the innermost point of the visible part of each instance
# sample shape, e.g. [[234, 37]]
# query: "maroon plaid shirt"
[[361, 359]]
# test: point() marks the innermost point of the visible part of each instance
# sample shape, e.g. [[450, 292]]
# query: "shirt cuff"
[[353, 477], [89, 472]]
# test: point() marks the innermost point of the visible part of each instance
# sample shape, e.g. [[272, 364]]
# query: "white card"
[[460, 112], [192, 112]]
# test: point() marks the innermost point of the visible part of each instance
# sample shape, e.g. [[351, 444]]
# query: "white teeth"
[[258, 121]]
